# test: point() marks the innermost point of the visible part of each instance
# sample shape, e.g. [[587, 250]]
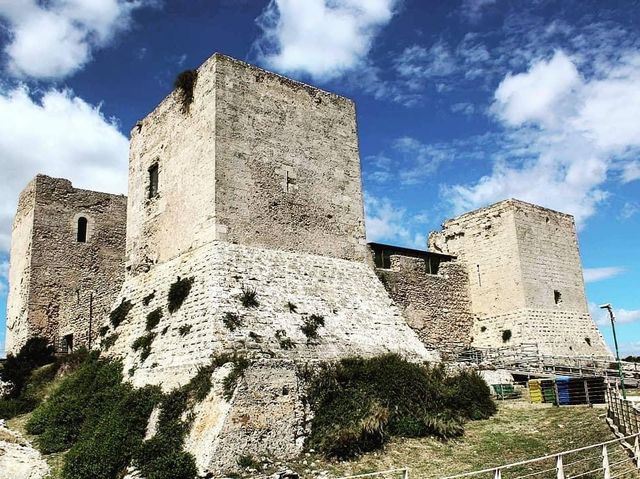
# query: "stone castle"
[[256, 186]]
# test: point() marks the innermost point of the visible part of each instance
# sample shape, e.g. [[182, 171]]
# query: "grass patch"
[[231, 321], [147, 299], [103, 331], [249, 297], [311, 325], [178, 292], [118, 315], [153, 318], [185, 83], [292, 307], [360, 403], [109, 341], [143, 344], [506, 335], [285, 342], [184, 329]]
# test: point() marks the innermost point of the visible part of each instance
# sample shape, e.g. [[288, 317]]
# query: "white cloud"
[[60, 135], [631, 172], [623, 316], [534, 96], [629, 209], [50, 40], [564, 132], [472, 9], [320, 38], [389, 223], [591, 275]]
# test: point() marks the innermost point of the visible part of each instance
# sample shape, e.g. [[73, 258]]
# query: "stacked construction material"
[[564, 390], [535, 391]]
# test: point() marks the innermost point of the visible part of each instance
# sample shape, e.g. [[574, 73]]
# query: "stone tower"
[[525, 278], [258, 160], [67, 255]]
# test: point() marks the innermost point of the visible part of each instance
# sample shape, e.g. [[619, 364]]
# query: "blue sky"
[[460, 104]]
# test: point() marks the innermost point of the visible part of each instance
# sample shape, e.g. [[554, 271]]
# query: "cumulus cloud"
[[320, 38], [60, 135], [565, 134], [51, 40], [591, 275], [388, 223], [623, 316]]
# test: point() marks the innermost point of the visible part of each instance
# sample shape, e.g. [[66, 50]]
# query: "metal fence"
[[606, 460], [623, 415]]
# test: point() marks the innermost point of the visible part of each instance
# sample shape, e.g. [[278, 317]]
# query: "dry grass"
[[519, 431]]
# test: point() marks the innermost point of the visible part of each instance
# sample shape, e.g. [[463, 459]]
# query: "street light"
[[609, 308]]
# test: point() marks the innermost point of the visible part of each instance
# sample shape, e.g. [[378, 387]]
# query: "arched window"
[[82, 229]]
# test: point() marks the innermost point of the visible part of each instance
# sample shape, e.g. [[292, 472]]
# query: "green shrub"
[[292, 307], [255, 337], [360, 403], [17, 369], [80, 398], [310, 326], [109, 341], [248, 462], [249, 297], [105, 450], [230, 382], [184, 329], [285, 342], [153, 318], [103, 330], [118, 315], [178, 292], [506, 335], [232, 321], [185, 83], [143, 344], [147, 299]]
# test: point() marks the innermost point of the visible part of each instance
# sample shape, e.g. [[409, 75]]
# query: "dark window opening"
[[153, 181], [557, 297], [432, 265], [67, 343], [82, 229], [383, 259]]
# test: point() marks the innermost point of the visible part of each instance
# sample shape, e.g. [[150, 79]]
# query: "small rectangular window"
[[67, 343], [382, 259], [557, 297], [153, 181]]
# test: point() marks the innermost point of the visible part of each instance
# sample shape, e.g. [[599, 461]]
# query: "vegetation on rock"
[[119, 314], [360, 403], [178, 292], [153, 318]]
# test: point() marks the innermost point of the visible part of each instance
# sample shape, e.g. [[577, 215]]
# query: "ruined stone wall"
[[436, 306], [549, 259], [258, 159], [360, 317], [525, 277], [20, 271], [556, 332], [287, 164], [182, 144], [71, 284]]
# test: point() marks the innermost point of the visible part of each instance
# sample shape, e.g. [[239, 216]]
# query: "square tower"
[[525, 278], [67, 263], [255, 159]]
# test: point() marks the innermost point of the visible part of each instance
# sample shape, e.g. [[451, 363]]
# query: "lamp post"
[[609, 308]]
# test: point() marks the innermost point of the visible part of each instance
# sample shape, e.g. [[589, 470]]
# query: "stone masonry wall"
[[258, 159], [557, 333], [360, 317], [436, 306], [18, 330], [287, 164], [525, 276], [71, 284]]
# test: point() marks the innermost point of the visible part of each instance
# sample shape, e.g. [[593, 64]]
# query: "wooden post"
[[605, 463], [586, 392], [498, 474], [559, 467]]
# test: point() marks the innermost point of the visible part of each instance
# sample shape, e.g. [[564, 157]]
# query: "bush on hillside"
[[178, 292], [16, 369], [360, 403]]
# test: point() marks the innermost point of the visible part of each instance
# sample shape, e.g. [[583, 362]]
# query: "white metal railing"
[[607, 460], [402, 472]]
